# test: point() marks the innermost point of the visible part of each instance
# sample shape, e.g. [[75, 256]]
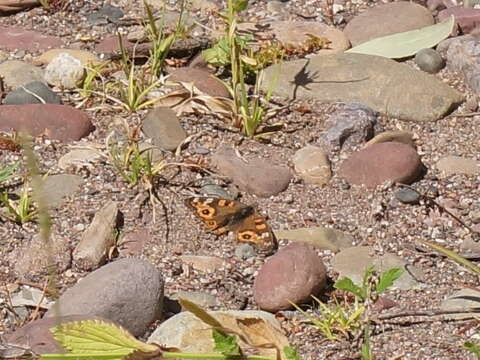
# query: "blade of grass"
[[453, 256]]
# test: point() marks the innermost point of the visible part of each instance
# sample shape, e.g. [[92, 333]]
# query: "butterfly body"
[[221, 215]]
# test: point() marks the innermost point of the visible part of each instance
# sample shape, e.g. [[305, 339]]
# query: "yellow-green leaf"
[[94, 336], [406, 43]]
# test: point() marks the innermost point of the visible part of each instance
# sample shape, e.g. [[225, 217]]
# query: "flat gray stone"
[[127, 291], [79, 157], [319, 237], [163, 127], [352, 262], [382, 84], [17, 73], [455, 165], [57, 187]]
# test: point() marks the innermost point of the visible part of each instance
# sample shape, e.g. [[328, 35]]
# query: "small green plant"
[[345, 321], [368, 292], [7, 172], [133, 164], [132, 93], [337, 321], [22, 210], [233, 50], [473, 348]]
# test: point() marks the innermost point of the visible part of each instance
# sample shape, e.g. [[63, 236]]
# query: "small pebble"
[[429, 61], [244, 251], [407, 196]]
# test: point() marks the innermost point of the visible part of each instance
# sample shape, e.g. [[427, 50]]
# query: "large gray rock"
[[127, 291], [380, 83]]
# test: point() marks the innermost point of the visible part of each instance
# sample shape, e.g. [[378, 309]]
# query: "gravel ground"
[[396, 228]]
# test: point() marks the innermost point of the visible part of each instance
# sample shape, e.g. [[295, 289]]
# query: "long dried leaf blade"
[[200, 313], [406, 43], [454, 256]]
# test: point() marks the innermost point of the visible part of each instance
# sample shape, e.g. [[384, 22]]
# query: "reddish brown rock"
[[110, 45], [13, 38], [60, 122], [378, 163], [293, 274], [203, 80], [37, 337], [466, 18]]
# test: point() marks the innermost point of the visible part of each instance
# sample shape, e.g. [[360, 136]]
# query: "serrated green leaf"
[[225, 344], [407, 43], [387, 279], [291, 353], [346, 284], [94, 336]]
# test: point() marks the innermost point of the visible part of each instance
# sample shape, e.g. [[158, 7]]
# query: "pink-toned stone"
[[12, 38], [201, 79], [466, 18], [291, 275], [387, 19], [133, 242], [60, 122], [378, 163], [110, 45], [37, 337]]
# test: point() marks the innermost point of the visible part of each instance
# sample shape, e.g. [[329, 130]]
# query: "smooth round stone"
[[429, 61], [244, 251], [407, 196]]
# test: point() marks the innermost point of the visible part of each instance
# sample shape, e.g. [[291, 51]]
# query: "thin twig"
[[432, 201], [428, 313]]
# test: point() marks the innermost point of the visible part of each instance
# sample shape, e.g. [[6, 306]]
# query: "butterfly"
[[221, 215]]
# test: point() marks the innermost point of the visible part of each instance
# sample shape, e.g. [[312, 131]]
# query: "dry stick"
[[34, 315], [431, 200], [428, 313], [465, 114]]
